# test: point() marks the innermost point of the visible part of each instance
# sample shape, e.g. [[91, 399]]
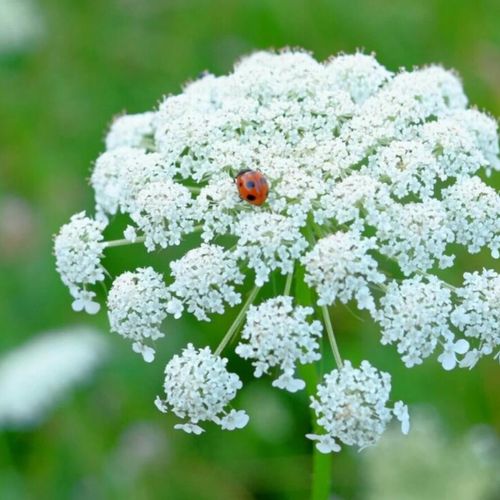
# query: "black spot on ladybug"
[[250, 184], [250, 197]]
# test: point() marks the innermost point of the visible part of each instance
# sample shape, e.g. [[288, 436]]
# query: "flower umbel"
[[375, 185]]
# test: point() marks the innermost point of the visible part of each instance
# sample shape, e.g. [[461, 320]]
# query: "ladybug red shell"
[[252, 186]]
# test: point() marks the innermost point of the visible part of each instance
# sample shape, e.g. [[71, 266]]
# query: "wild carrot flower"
[[372, 176]]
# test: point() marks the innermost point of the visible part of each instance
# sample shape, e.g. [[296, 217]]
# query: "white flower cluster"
[[203, 280], [199, 388], [373, 178], [339, 267], [473, 211], [119, 176], [415, 315], [351, 406], [268, 242], [477, 314], [138, 303], [78, 248], [415, 235], [163, 213], [277, 334], [131, 131]]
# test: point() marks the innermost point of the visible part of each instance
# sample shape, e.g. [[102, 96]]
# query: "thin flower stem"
[[237, 322], [139, 239], [331, 337], [121, 243], [288, 284], [444, 283], [321, 479]]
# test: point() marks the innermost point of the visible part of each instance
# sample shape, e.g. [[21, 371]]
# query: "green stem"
[[444, 283], [322, 469], [123, 242], [321, 480], [288, 284], [139, 239], [236, 323], [331, 336]]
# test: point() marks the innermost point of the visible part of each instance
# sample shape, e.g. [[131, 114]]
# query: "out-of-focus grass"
[[99, 58]]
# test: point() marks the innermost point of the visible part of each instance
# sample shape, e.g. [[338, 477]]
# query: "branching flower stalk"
[[373, 175]]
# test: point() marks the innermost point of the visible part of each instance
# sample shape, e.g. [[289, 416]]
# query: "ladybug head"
[[241, 172]]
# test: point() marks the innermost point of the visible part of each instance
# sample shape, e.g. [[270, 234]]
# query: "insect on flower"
[[252, 186]]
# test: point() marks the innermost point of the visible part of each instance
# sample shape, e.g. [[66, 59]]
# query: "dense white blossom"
[[351, 406], [217, 207], [454, 147], [407, 100], [473, 210], [484, 129], [415, 235], [120, 174], [353, 200], [199, 388], [339, 267], [415, 316], [36, 376], [407, 166], [268, 242], [277, 334], [132, 131], [163, 213], [477, 314], [358, 74], [79, 248], [138, 303], [204, 280], [372, 177]]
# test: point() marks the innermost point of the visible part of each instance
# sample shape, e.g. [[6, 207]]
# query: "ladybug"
[[252, 186]]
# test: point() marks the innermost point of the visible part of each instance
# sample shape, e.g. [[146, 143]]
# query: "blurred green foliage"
[[99, 58]]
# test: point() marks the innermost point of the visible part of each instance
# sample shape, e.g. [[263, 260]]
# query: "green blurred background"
[[97, 58]]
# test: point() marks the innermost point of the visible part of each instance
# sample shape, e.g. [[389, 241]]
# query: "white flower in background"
[[277, 334], [134, 131], [351, 406], [21, 26], [79, 248], [440, 464], [339, 267], [138, 303], [204, 280], [474, 214], [373, 177], [477, 314], [36, 376], [199, 388]]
